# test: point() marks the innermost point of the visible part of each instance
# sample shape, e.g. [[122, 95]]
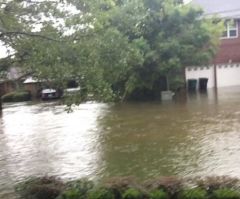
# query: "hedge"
[[126, 188], [16, 96]]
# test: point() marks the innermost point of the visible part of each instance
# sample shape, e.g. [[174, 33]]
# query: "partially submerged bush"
[[127, 188], [72, 194], [225, 194], [40, 188], [77, 189], [217, 182], [100, 193], [195, 193], [120, 184], [158, 194], [16, 96], [132, 193], [171, 185]]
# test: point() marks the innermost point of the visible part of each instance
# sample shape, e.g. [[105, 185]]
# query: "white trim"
[[227, 74]]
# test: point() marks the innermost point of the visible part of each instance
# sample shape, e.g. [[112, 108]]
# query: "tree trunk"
[[167, 81]]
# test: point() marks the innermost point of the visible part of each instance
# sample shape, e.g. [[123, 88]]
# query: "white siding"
[[227, 74], [201, 72]]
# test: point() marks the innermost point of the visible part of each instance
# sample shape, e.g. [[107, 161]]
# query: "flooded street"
[[198, 137]]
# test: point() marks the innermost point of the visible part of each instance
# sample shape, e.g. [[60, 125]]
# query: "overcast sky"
[[2, 51]]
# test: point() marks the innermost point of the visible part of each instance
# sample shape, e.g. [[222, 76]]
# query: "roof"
[[222, 8], [30, 80]]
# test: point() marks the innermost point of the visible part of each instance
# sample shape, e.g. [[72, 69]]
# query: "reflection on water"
[[200, 137], [42, 139]]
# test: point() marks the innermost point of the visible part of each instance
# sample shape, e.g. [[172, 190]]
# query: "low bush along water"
[[129, 188], [16, 96]]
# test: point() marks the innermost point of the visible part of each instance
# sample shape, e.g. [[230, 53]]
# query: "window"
[[231, 29]]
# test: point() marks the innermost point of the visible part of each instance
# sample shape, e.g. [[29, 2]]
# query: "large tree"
[[115, 49]]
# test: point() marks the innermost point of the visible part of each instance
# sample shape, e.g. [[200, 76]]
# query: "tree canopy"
[[114, 49]]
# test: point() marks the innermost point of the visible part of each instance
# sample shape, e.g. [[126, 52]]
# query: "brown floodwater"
[[198, 137]]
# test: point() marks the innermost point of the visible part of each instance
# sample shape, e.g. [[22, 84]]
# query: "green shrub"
[[17, 96], [83, 185], [172, 185], [72, 194], [196, 193], [77, 189], [132, 193], [176, 83], [40, 188], [217, 182], [158, 194], [120, 184], [101, 193], [225, 194]]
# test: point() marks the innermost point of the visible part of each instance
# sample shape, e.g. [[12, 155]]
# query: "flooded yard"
[[197, 137]]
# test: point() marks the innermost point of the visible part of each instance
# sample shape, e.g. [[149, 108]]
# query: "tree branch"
[[29, 34]]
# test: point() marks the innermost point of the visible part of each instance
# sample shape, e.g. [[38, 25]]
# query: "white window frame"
[[229, 28]]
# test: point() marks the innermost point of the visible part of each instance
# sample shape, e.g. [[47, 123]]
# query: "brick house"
[[225, 67]]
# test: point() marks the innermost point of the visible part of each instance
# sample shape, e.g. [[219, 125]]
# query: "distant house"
[[33, 85], [14, 79], [10, 80], [225, 67]]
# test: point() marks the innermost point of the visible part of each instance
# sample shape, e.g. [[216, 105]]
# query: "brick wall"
[[229, 50]]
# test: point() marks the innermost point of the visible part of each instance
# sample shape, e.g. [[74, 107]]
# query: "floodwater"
[[197, 137]]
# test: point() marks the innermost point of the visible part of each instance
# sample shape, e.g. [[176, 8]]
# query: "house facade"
[[10, 81], [14, 79], [225, 67]]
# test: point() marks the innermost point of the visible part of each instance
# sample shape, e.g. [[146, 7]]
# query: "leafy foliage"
[[100, 193], [225, 194], [212, 183], [77, 189], [158, 194], [113, 48], [53, 188], [195, 193], [132, 193], [171, 184]]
